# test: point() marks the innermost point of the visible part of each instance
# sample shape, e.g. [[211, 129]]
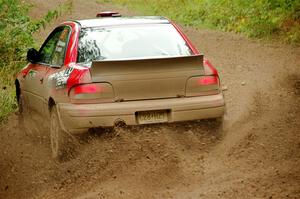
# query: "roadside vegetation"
[[16, 36], [255, 18]]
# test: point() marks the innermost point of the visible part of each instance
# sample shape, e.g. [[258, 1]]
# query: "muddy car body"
[[134, 70]]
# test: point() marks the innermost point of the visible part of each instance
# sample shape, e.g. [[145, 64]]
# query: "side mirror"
[[32, 55]]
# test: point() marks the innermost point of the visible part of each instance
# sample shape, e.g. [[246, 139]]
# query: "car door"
[[49, 59]]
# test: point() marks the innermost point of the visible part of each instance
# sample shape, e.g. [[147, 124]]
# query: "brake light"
[[92, 93], [202, 85], [88, 88], [208, 80]]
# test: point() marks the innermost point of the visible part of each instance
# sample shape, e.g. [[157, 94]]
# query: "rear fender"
[[61, 81]]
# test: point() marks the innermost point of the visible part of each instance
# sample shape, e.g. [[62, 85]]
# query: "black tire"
[[215, 125], [20, 104], [220, 124], [62, 144]]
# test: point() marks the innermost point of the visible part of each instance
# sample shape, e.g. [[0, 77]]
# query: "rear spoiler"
[[126, 66]]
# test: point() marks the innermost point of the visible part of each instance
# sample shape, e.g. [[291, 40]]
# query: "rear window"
[[130, 42]]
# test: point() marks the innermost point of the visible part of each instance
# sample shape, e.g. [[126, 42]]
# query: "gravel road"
[[258, 156]]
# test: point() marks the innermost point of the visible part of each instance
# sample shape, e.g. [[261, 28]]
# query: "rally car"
[[114, 70]]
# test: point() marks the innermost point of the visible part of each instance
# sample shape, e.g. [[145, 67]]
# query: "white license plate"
[[150, 117]]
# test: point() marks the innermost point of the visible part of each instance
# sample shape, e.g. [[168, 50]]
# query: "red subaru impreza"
[[111, 69]]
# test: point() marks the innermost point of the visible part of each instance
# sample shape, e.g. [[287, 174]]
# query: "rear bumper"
[[80, 117]]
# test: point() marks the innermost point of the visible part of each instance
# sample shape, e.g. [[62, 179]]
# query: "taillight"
[[87, 89], [92, 93], [208, 80], [202, 85]]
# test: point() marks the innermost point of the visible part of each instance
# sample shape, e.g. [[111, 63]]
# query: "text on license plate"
[[149, 117]]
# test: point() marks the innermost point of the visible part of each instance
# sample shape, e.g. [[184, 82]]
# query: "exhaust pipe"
[[120, 123]]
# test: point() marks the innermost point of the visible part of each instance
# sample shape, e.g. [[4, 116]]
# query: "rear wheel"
[[216, 125], [62, 144], [219, 124]]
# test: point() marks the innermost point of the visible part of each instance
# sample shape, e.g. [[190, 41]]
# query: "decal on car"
[[60, 46], [60, 78], [32, 73]]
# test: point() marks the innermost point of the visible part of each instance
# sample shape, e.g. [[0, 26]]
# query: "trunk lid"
[[148, 78]]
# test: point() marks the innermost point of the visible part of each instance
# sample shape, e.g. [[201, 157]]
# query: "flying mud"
[[257, 156]]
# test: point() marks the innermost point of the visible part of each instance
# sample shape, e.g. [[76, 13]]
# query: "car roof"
[[115, 21]]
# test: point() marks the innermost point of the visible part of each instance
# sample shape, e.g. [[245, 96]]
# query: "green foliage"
[[254, 18], [7, 102], [16, 29]]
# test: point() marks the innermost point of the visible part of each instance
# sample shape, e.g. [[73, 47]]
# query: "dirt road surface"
[[258, 156]]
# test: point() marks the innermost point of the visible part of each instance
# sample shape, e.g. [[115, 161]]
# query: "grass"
[[253, 18], [7, 102], [16, 30]]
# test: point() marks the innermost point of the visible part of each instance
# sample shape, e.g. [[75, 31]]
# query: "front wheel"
[[62, 144], [24, 116]]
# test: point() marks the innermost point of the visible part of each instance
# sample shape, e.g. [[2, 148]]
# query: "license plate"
[[150, 117]]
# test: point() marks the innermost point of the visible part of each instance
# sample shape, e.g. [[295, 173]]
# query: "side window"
[[53, 51], [60, 49]]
